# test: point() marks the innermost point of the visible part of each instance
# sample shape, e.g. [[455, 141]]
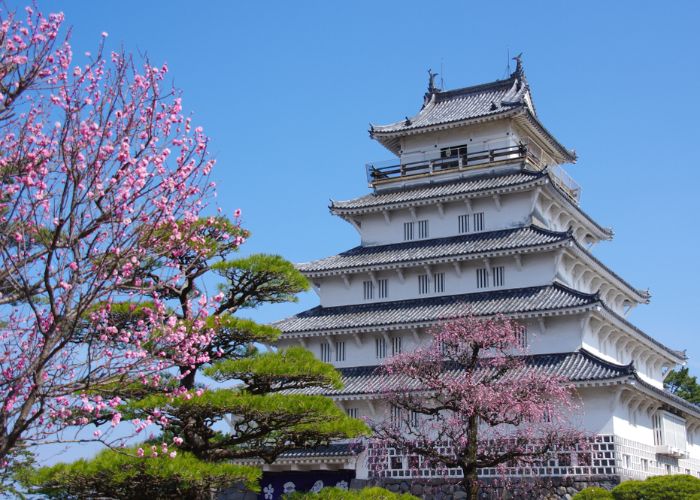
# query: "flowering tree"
[[106, 256], [200, 429], [478, 405], [97, 161]]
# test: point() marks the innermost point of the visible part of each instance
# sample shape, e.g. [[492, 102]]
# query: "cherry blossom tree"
[[479, 404], [97, 163]]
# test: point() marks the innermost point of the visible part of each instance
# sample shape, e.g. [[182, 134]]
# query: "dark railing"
[[385, 171], [377, 172]]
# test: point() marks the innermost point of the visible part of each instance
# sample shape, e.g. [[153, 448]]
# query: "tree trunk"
[[469, 466], [187, 381]]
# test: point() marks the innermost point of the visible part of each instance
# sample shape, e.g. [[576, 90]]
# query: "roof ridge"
[[629, 367], [522, 171], [475, 88], [610, 270], [467, 237], [474, 296], [561, 286]]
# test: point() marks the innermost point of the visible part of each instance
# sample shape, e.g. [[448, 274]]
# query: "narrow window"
[[439, 282], [423, 284], [407, 231], [352, 412], [645, 464], [380, 347], [368, 290], [395, 346], [413, 418], [546, 416], [482, 278], [340, 351], [325, 352], [396, 415], [478, 221], [498, 273], [382, 289], [521, 336], [422, 229], [463, 224]]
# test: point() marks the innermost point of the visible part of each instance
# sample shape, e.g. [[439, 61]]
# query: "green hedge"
[[363, 494], [677, 487], [593, 493]]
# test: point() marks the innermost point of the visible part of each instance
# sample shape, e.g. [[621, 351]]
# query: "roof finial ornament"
[[431, 82], [518, 65]]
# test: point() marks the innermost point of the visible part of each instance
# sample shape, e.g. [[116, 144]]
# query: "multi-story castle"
[[475, 215]]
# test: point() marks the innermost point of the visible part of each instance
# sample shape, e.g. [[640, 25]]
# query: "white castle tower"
[[476, 215]]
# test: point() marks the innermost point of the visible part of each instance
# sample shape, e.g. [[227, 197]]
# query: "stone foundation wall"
[[554, 488]]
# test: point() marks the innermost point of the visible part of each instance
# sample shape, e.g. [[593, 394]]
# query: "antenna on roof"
[[507, 62]]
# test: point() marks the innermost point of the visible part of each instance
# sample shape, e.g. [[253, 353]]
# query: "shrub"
[[680, 487], [374, 493], [593, 493]]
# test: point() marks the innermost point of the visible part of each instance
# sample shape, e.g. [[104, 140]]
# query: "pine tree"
[[203, 427]]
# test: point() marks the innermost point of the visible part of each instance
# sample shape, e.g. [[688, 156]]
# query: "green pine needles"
[[209, 437]]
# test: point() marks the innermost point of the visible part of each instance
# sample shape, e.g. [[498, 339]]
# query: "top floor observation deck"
[[457, 160]]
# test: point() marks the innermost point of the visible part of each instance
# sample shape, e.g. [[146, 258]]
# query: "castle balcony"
[[459, 159]]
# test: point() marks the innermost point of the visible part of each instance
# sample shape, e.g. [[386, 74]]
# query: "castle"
[[475, 214]]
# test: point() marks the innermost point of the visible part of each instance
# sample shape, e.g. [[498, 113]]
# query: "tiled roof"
[[416, 311], [579, 366], [438, 190], [674, 399], [499, 99], [478, 101], [454, 246], [454, 189], [333, 450]]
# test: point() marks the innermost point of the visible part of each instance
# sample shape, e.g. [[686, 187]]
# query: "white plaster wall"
[[619, 350], [596, 412], [537, 269], [642, 432], [513, 212], [578, 274], [360, 350], [561, 334], [477, 137]]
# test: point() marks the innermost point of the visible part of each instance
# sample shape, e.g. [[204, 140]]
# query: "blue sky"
[[286, 91]]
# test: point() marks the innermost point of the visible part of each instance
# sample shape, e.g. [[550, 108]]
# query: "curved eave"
[[672, 355], [514, 188], [578, 384], [579, 367], [564, 154], [410, 325], [669, 399], [437, 260], [392, 140], [602, 233], [632, 292]]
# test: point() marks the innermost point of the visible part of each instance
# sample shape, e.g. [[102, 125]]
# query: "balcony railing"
[[379, 172]]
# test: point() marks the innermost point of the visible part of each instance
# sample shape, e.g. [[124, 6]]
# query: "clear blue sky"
[[286, 91]]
